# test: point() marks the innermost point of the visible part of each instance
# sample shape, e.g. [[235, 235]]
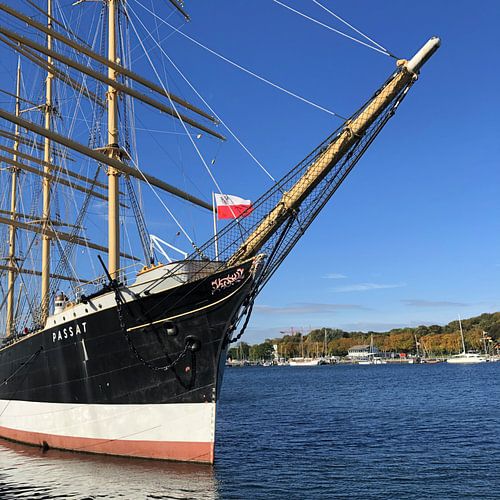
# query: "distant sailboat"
[[372, 358], [302, 361], [466, 357], [305, 362]]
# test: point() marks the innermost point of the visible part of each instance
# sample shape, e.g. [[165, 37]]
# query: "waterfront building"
[[357, 352]]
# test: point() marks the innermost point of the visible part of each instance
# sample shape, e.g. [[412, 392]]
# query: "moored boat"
[[300, 361], [466, 357]]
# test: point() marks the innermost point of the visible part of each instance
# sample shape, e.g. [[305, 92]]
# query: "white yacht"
[[373, 360], [372, 356], [466, 357], [304, 361]]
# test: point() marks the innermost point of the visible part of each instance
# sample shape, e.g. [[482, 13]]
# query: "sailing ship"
[[306, 361], [120, 364]]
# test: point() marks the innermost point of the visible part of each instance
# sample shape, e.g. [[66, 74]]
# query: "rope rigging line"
[[63, 256], [336, 16], [19, 269], [191, 241], [66, 251], [157, 131], [164, 39], [166, 151], [22, 365], [282, 236], [140, 222], [207, 105], [205, 164], [129, 141], [176, 132], [242, 68], [341, 33], [193, 244], [214, 180]]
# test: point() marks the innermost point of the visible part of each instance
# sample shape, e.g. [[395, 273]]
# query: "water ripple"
[[368, 432]]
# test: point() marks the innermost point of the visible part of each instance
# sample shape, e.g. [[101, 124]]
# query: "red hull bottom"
[[159, 450]]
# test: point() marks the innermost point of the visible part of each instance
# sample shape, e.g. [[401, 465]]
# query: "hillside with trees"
[[433, 340]]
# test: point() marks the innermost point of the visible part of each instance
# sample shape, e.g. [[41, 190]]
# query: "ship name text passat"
[[69, 331]]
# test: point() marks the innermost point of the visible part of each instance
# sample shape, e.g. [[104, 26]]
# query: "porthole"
[[169, 328]]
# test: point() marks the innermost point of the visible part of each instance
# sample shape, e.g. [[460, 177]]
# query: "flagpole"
[[215, 228]]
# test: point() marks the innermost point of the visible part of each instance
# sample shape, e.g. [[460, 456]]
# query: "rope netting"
[[292, 226]]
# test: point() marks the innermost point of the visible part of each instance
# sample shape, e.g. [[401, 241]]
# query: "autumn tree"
[[435, 340], [264, 351]]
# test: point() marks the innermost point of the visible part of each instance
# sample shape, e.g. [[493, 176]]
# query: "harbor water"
[[384, 431]]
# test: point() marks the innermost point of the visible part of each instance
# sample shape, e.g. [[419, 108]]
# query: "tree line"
[[434, 340]]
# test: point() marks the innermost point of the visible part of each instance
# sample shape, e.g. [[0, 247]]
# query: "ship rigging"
[[150, 339]]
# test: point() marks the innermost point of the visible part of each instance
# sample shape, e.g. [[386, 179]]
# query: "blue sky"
[[412, 237]]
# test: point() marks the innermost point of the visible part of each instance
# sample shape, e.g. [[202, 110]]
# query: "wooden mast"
[[108, 81], [13, 208], [97, 57], [102, 158], [53, 234], [113, 150], [46, 240]]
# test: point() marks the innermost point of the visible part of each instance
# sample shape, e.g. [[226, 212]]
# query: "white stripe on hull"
[[184, 431]]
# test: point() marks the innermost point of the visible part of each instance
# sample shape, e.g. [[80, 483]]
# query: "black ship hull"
[[138, 378]]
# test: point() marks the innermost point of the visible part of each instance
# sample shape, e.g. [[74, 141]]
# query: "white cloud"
[[363, 287], [334, 276], [375, 326], [432, 303], [306, 308]]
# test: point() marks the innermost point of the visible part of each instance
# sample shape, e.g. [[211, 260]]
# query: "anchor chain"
[[191, 345], [248, 313]]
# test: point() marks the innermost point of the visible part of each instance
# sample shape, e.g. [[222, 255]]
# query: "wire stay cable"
[[341, 33], [208, 105], [336, 16], [198, 152], [242, 68]]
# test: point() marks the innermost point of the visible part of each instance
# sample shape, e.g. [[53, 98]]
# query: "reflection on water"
[[29, 472]]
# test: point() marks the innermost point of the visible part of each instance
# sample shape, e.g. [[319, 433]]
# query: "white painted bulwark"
[[171, 431]]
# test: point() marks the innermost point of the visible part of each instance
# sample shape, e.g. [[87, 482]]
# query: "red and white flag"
[[231, 207]]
